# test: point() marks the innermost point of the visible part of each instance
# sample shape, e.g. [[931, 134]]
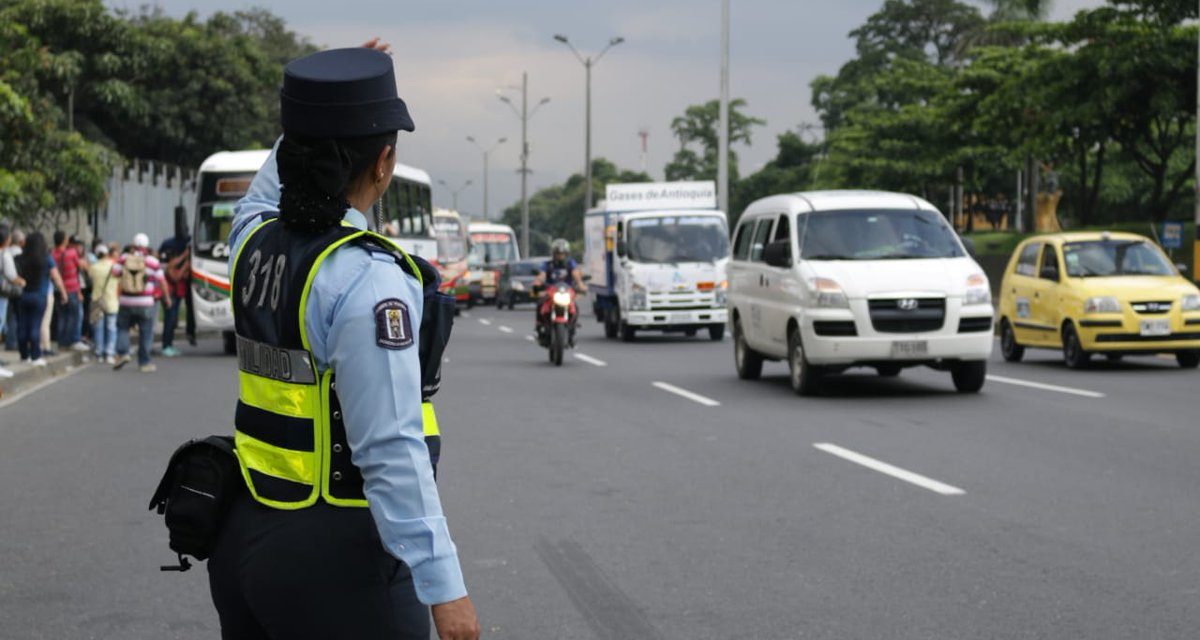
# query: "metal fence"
[[142, 197]]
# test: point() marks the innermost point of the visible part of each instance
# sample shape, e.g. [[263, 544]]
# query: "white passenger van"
[[836, 279]]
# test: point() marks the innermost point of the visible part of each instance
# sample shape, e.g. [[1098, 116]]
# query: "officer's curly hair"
[[315, 174]]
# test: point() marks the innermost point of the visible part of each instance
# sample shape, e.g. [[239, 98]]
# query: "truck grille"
[[680, 300], [888, 316]]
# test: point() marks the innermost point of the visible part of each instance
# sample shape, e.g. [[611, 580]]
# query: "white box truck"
[[655, 256]]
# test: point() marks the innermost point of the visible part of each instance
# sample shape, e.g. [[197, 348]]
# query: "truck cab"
[[656, 255]]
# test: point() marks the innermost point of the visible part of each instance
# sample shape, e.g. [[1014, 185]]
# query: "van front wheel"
[[805, 378], [747, 361], [969, 376]]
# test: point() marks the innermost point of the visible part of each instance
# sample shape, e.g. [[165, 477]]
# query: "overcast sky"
[[452, 56]]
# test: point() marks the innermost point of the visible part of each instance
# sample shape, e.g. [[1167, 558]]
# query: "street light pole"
[[723, 117], [587, 135], [486, 152], [524, 115], [454, 192]]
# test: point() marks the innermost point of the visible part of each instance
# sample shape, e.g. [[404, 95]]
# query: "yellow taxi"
[[1097, 293]]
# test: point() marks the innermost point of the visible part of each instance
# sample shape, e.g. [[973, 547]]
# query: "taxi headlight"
[[637, 298], [1102, 304], [1191, 303], [562, 298], [978, 291], [828, 294]]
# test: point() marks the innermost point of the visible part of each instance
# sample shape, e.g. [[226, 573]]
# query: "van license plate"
[[1156, 327], [910, 348]]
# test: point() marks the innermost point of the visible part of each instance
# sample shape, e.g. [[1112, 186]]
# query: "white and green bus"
[[404, 214]]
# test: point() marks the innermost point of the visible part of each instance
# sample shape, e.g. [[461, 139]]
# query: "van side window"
[[782, 230], [1027, 263], [801, 224], [741, 244], [761, 233]]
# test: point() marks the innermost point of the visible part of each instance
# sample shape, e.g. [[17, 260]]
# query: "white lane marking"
[[485, 322], [891, 470], [529, 338], [694, 397], [13, 399], [1046, 387], [504, 329], [465, 314], [445, 360], [590, 360]]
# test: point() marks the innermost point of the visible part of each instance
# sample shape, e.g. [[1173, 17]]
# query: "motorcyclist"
[[561, 268]]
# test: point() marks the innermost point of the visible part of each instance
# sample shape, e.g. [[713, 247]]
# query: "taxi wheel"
[[1073, 353], [1009, 348], [1188, 359], [747, 361], [804, 377]]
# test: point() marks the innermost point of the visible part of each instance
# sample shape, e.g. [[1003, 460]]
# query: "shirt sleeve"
[[262, 197], [379, 388]]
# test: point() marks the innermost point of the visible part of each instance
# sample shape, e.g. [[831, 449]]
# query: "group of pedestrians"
[[90, 300]]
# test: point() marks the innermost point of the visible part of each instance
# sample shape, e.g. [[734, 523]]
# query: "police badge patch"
[[393, 328]]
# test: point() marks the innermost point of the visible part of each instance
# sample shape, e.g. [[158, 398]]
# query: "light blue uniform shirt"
[[380, 393]]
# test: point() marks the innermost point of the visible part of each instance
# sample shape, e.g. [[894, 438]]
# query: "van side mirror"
[[587, 277], [778, 254], [621, 248]]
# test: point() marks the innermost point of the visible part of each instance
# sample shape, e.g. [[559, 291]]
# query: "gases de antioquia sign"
[[644, 196]]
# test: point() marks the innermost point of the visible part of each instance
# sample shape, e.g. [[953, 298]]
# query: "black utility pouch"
[[201, 481]]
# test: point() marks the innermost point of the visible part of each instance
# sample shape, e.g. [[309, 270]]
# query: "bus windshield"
[[451, 243], [674, 239], [218, 193], [213, 223], [491, 248]]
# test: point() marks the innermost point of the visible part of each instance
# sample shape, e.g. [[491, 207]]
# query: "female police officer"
[[341, 534]]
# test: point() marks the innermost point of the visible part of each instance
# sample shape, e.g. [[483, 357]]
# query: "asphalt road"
[[589, 502]]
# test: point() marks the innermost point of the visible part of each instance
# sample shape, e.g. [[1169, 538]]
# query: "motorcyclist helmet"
[[560, 249]]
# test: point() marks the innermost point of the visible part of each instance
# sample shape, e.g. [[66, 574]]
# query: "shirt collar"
[[356, 219]]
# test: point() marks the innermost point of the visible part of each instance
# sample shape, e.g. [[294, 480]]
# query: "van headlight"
[[978, 291], [1102, 304], [637, 298], [828, 294], [1191, 303]]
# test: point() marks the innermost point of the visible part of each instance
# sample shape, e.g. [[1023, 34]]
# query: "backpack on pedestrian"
[[133, 275]]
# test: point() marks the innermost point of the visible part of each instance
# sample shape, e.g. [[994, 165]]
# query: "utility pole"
[[486, 152], [723, 124], [454, 192], [524, 114], [587, 135]]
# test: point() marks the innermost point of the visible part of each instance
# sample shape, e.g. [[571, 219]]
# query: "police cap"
[[342, 93]]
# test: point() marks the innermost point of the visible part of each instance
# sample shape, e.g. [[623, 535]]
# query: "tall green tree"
[[697, 132]]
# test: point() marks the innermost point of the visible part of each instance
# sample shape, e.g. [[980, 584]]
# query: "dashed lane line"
[[590, 360], [891, 470], [694, 397], [504, 329], [529, 338], [1046, 387], [485, 322]]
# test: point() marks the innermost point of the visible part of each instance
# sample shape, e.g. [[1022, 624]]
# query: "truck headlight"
[[828, 294], [1102, 304], [637, 298], [978, 291], [1191, 303], [719, 294]]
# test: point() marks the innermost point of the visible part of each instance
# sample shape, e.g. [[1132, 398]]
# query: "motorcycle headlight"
[[977, 290], [637, 298], [828, 294], [1191, 303], [562, 298], [1102, 304]]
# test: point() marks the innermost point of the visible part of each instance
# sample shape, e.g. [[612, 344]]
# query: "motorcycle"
[[558, 316]]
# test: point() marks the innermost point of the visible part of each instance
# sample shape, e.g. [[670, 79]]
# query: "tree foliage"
[[697, 131]]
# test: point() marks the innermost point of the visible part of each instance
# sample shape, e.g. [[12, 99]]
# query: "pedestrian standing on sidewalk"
[[15, 246], [70, 312], [175, 254], [86, 258], [104, 306], [139, 281], [36, 266], [11, 286]]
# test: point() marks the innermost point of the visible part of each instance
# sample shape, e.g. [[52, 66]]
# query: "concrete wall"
[[142, 198]]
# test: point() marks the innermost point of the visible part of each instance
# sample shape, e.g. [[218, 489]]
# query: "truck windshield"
[[898, 234], [1115, 258], [674, 239]]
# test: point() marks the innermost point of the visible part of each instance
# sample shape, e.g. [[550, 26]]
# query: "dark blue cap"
[[342, 93]]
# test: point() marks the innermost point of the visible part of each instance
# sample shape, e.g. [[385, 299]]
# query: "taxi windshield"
[[898, 234], [675, 239], [1105, 258]]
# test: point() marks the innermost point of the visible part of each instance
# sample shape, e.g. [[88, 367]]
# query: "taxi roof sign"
[[644, 196]]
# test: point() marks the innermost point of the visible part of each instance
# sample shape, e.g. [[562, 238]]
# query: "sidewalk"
[[27, 376]]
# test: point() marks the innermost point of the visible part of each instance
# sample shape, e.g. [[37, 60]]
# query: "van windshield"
[[886, 234], [1115, 258], [674, 239]]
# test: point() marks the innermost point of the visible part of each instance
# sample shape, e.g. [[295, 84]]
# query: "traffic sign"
[[1172, 235]]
